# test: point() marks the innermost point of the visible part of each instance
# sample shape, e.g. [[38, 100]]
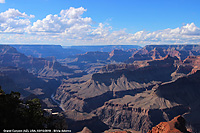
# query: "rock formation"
[[176, 125], [43, 51], [85, 130], [150, 52], [159, 83], [120, 55], [102, 87], [18, 79], [9, 56], [78, 121], [93, 57], [162, 103], [105, 48]]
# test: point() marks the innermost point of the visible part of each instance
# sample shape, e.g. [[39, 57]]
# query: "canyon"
[[108, 87]]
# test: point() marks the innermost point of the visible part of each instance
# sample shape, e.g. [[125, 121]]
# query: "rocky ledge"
[[176, 125]]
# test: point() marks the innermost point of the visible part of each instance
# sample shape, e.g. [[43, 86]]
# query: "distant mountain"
[[9, 56], [43, 51], [92, 61], [120, 55], [117, 55], [105, 48], [93, 57], [150, 52], [183, 47], [63, 52]]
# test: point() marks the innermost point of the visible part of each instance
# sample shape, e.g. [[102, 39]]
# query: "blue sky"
[[99, 22]]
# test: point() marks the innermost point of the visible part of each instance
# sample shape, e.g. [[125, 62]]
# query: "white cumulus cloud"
[[73, 13], [70, 27], [68, 22], [2, 1], [13, 21]]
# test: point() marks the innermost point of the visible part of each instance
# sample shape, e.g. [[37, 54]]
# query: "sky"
[[99, 22]]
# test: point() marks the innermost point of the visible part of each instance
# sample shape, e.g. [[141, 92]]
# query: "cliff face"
[[120, 55], [157, 87], [26, 74], [9, 56], [150, 52], [113, 67], [18, 79], [78, 121], [93, 57], [193, 61], [137, 96], [162, 103], [116, 55], [184, 91], [104, 86], [176, 125], [139, 112]]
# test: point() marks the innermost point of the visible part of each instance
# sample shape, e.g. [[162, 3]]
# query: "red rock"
[[120, 55], [152, 52], [176, 125], [117, 132], [86, 130]]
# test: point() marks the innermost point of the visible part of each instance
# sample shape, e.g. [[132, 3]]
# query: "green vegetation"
[[18, 115], [15, 114]]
